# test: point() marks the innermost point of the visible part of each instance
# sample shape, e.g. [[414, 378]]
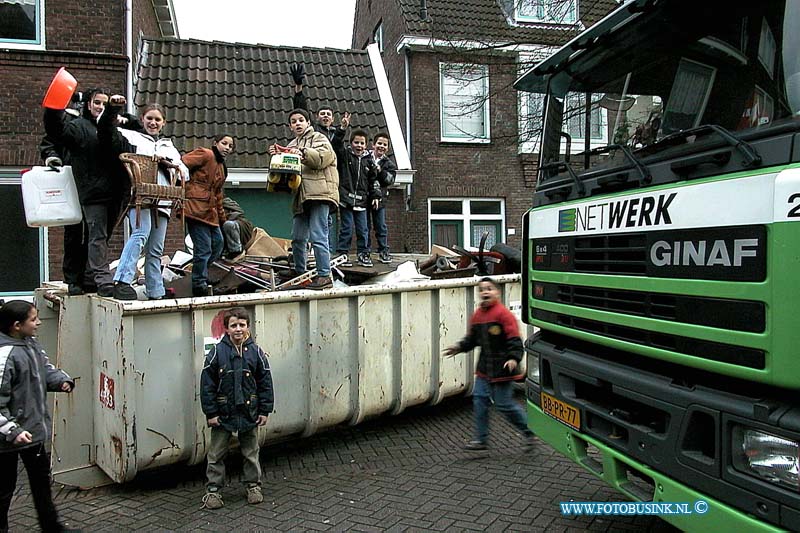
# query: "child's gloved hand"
[[510, 365], [298, 72], [262, 420], [213, 422]]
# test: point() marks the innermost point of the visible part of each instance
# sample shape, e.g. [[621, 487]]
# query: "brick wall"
[[448, 169], [465, 169], [88, 38]]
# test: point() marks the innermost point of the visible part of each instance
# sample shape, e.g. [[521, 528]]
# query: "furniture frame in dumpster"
[[337, 356]]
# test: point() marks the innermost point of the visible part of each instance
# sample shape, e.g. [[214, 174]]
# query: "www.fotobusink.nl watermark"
[[633, 508]]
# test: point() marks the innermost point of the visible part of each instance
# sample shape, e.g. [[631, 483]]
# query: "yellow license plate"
[[561, 411]]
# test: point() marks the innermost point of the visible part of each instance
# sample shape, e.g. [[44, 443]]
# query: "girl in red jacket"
[[203, 206], [495, 330]]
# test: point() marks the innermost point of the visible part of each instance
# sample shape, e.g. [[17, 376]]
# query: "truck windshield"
[[730, 64]]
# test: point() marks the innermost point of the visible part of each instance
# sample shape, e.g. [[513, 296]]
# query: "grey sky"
[[316, 23]]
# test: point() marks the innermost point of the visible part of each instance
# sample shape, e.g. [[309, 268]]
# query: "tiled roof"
[[246, 90], [491, 21]]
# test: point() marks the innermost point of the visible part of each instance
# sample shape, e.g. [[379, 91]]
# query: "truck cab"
[[661, 255]]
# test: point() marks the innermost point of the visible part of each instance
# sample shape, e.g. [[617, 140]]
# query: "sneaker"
[[201, 291], [364, 260], [475, 446], [107, 291], [384, 257], [75, 290], [122, 291], [319, 283], [213, 500], [254, 495], [529, 443]]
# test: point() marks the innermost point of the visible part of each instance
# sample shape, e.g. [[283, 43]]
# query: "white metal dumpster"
[[337, 357]]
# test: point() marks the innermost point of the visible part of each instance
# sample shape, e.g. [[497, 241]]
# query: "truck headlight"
[[769, 457], [532, 364]]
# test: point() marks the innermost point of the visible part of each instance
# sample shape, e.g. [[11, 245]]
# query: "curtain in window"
[[464, 97], [687, 96]]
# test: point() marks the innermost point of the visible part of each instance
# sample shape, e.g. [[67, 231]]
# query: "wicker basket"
[[146, 192]]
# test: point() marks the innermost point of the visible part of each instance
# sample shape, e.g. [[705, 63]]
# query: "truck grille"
[[612, 254], [737, 315], [714, 351]]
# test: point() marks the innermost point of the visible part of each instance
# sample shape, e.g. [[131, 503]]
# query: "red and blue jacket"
[[495, 331]]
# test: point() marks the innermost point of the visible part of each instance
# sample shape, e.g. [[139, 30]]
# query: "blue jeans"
[[312, 224], [150, 238], [207, 242], [347, 218], [503, 394], [376, 218]]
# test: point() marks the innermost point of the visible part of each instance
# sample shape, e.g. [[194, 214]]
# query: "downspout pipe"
[[423, 10], [129, 53]]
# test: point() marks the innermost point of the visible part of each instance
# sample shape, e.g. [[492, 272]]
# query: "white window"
[[575, 121], [547, 11], [531, 113], [20, 273], [377, 36], [766, 48], [22, 24], [464, 221], [464, 91]]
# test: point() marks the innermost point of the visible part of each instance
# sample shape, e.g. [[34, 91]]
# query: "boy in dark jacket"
[[358, 186], [237, 397], [495, 330], [376, 214]]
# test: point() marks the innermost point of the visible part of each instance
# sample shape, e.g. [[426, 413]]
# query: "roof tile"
[[246, 90]]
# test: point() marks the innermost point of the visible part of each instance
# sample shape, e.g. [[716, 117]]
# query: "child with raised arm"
[[236, 397], [494, 329], [26, 376]]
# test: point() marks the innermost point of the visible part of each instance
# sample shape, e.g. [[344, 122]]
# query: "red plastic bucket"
[[60, 91]]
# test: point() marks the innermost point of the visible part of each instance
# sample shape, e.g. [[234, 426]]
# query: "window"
[[547, 11], [464, 221], [575, 119], [688, 96], [22, 23], [377, 36], [464, 93], [767, 48], [20, 274]]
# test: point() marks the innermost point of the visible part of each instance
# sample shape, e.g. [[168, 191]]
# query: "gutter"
[[405, 174]]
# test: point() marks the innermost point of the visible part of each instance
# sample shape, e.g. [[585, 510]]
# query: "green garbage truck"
[[662, 259]]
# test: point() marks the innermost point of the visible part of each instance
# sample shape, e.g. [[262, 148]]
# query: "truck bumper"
[[639, 482]]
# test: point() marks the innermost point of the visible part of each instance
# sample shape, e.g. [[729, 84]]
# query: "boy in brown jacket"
[[316, 197]]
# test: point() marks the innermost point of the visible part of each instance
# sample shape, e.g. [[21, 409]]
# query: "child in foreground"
[[26, 376], [237, 397], [495, 330]]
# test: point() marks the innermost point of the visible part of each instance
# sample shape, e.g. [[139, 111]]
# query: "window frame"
[[11, 176], [466, 218], [23, 44], [579, 142], [545, 19], [377, 35], [485, 108]]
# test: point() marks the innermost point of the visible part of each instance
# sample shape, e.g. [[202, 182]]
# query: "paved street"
[[403, 473]]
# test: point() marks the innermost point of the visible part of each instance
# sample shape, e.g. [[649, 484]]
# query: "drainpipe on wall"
[[423, 9], [129, 53], [407, 72]]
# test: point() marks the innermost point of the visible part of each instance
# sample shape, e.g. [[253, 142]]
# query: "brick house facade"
[[418, 37], [87, 37]]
